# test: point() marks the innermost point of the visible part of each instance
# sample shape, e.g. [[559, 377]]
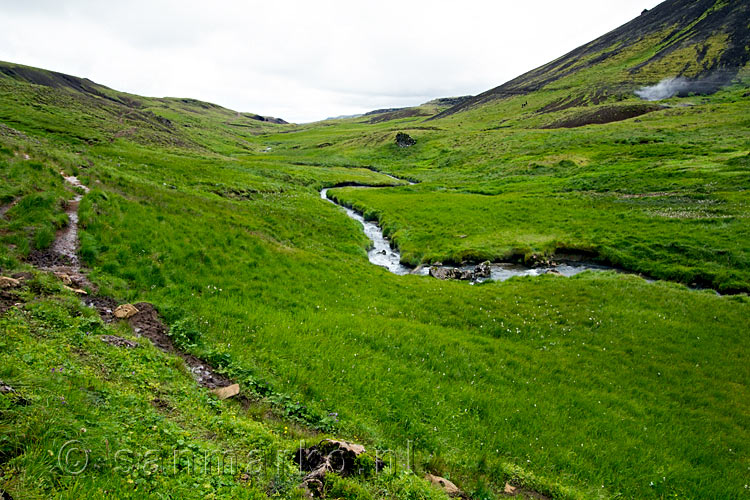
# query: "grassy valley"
[[604, 385]]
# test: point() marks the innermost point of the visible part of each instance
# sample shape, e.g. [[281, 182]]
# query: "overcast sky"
[[302, 60]]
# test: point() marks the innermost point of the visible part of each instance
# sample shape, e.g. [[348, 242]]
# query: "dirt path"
[[66, 243], [62, 260]]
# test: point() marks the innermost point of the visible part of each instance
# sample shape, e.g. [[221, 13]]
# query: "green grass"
[[32, 197], [89, 420], [599, 386]]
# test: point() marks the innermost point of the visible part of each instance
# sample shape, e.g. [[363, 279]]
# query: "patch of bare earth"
[[603, 115]]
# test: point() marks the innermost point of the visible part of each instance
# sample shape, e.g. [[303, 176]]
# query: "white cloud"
[[302, 60]]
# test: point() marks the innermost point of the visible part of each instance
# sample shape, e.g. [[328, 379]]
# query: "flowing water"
[[384, 255]]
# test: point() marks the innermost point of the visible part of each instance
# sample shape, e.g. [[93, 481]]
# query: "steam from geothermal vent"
[[682, 87], [669, 87]]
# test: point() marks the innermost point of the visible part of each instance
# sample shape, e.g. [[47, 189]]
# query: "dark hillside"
[[690, 38]]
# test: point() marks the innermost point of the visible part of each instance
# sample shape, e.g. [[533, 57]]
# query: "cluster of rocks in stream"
[[482, 270]]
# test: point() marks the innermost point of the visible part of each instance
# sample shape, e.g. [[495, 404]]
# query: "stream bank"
[[384, 254]]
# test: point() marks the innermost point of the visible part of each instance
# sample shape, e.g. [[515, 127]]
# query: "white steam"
[[681, 86], [669, 87]]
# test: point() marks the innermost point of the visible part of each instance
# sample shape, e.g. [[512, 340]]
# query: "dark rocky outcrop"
[[449, 101], [269, 119], [398, 114], [405, 140], [329, 456], [381, 111]]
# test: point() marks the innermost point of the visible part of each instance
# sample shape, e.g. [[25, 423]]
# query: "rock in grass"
[[405, 140], [227, 392], [329, 456], [78, 291], [448, 487], [64, 278], [6, 282], [5, 388], [125, 311], [343, 447]]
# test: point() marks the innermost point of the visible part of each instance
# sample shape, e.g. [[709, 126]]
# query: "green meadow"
[[603, 385]]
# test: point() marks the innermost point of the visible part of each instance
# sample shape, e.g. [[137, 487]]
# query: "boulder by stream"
[[482, 270]]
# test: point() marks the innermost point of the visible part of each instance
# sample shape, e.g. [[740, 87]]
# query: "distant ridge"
[[85, 86]]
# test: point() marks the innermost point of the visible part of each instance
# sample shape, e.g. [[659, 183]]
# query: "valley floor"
[[601, 385]]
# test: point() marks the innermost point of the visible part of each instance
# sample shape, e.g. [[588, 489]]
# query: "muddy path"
[[66, 243], [62, 260]]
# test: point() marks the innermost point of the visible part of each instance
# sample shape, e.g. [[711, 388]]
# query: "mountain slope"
[[689, 38]]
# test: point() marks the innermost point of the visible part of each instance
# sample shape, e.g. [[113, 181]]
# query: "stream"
[[383, 254]]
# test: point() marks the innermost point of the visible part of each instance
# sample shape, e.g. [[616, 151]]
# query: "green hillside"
[[627, 383]]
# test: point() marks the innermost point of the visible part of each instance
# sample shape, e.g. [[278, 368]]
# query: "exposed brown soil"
[[7, 300], [516, 491], [146, 323], [61, 258], [104, 305], [47, 259], [604, 114], [395, 115]]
